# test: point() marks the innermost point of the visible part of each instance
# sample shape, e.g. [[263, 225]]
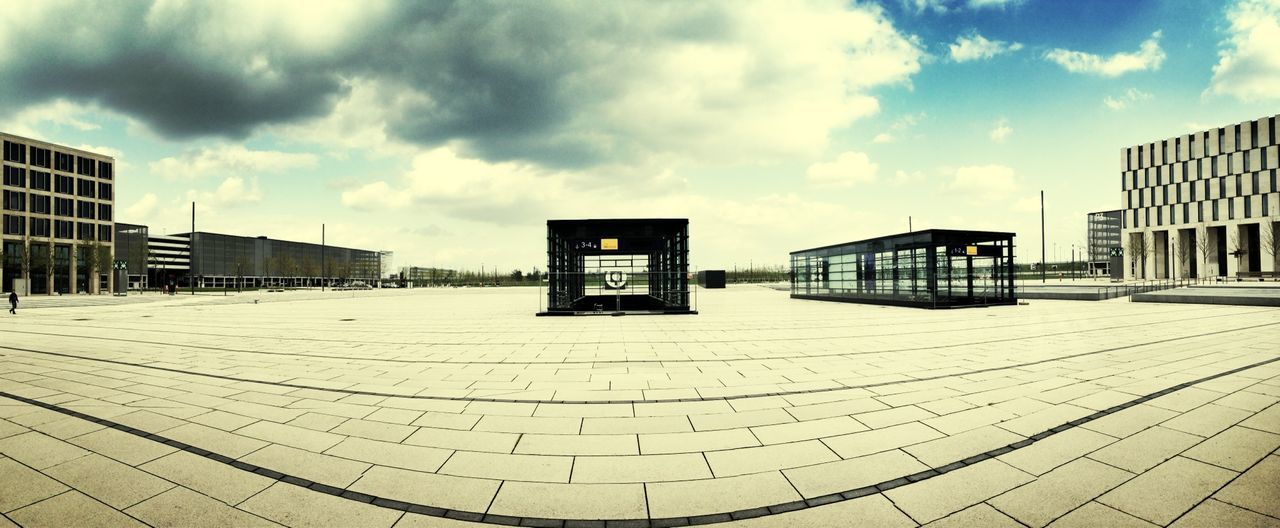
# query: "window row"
[[16, 177], [1228, 187], [1188, 213], [66, 229], [62, 161], [39, 204], [1204, 144], [1235, 163]]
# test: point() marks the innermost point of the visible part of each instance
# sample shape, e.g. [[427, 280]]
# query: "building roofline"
[[57, 145], [979, 234]]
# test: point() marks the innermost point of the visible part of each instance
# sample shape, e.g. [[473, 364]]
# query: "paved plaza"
[[453, 407]]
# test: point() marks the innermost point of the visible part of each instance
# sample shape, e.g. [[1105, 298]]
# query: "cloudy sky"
[[450, 132]]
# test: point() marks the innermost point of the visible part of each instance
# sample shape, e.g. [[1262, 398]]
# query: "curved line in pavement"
[[626, 361], [713, 518], [663, 400]]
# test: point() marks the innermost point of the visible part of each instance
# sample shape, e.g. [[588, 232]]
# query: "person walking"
[[13, 303]]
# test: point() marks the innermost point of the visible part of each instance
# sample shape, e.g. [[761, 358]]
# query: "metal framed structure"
[[618, 266], [1104, 237], [935, 268]]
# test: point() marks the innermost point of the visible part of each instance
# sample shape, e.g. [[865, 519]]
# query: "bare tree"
[[1270, 241], [1139, 249], [1205, 249], [1238, 250], [1184, 253]]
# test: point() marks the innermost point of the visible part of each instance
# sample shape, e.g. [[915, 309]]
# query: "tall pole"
[[1042, 237], [909, 229], [191, 251], [324, 265]]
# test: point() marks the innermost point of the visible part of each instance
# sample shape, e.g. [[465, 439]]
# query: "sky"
[[450, 132]]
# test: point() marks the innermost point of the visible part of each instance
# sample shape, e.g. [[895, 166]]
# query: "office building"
[[58, 218], [1202, 204], [216, 260], [1103, 230], [935, 268]]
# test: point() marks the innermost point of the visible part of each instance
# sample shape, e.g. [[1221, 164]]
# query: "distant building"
[[1202, 204], [216, 260], [416, 276], [1104, 229], [58, 228]]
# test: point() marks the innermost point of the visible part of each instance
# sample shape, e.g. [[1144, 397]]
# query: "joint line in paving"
[[702, 519]]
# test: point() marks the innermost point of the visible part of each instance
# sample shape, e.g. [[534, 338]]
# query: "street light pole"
[[1042, 237]]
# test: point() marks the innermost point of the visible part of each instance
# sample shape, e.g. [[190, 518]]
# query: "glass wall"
[[934, 269]]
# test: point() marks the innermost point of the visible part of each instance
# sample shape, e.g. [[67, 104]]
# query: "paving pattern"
[[459, 407]]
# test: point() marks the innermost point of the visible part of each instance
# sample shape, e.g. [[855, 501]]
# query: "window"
[[63, 162], [1177, 148], [1159, 176], [1165, 189], [39, 180], [1253, 134], [1142, 196], [63, 207], [1135, 180], [1248, 210], [1164, 151], [1222, 187], [40, 204], [63, 229], [40, 227], [1192, 188], [104, 233], [1237, 136], [104, 170], [1205, 144], [15, 177], [64, 184], [1231, 209], [14, 224], [1179, 193], [1213, 166], [1159, 216], [1191, 146], [1186, 213], [85, 166], [1246, 160], [1222, 140], [85, 231], [1215, 210], [1140, 158], [85, 210], [85, 189], [104, 190], [1199, 211], [1239, 188], [1206, 190], [1146, 213], [1273, 181], [104, 212], [1265, 206], [15, 201], [15, 152], [40, 157], [1253, 181]]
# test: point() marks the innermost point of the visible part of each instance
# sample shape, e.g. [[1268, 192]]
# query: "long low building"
[[217, 260]]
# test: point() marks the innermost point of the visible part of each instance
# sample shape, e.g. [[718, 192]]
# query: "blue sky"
[[450, 132]]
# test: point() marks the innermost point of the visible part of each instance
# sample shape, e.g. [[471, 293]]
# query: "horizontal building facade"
[[58, 226], [1202, 204], [1104, 235], [217, 260]]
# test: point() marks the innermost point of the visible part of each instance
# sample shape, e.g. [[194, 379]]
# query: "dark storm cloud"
[[161, 76]]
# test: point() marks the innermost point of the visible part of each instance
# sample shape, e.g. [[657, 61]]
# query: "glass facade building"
[[1104, 236], [618, 265], [936, 268]]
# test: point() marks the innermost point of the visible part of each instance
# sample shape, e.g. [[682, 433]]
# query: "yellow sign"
[[609, 244], [971, 250]]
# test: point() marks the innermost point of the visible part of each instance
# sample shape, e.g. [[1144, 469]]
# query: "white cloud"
[[1001, 131], [141, 210], [1123, 101], [979, 4], [848, 169], [883, 137], [231, 193], [976, 47], [1148, 57], [946, 6], [983, 184], [58, 112], [900, 126], [901, 177], [374, 196], [1248, 65], [228, 160]]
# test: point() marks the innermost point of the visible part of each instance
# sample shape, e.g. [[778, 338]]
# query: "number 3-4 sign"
[[615, 279]]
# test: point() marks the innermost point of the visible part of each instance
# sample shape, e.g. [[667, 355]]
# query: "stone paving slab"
[[456, 407]]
